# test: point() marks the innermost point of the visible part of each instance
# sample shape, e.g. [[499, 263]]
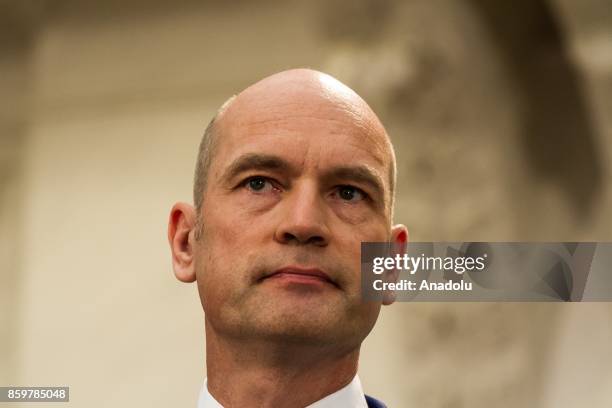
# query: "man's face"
[[296, 183]]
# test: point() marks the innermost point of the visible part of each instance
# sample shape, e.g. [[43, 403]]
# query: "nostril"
[[296, 239], [288, 237], [316, 240]]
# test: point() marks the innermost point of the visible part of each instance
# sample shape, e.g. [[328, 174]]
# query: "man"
[[293, 174]]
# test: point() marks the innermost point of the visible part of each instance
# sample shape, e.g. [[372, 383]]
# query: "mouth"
[[301, 276]]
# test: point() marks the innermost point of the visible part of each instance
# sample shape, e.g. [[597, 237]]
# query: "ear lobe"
[[399, 241], [180, 237], [389, 296]]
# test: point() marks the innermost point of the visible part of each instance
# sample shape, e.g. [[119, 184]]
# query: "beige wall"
[[116, 103]]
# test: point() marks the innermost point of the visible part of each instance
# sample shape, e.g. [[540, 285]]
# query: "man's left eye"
[[350, 193]]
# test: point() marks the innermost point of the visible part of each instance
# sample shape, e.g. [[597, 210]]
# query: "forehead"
[[308, 123]]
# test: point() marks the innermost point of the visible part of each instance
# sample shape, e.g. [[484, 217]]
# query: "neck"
[[263, 373]]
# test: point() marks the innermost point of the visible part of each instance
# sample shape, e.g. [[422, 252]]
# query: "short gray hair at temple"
[[206, 153]]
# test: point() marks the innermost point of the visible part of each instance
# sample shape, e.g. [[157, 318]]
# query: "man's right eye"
[[258, 184]]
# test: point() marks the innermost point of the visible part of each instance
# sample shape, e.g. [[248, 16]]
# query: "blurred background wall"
[[500, 114]]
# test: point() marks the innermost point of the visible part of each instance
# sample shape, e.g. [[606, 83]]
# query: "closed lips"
[[306, 272]]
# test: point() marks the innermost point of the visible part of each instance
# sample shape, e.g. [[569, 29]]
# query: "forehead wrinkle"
[[294, 115], [376, 154], [300, 125]]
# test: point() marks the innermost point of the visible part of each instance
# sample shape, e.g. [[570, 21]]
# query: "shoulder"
[[374, 403]]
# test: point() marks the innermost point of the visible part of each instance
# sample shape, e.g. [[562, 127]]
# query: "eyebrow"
[[255, 161], [360, 174]]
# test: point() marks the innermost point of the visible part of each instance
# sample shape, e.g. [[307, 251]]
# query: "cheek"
[[216, 257], [239, 216], [350, 235], [220, 273], [228, 236], [348, 239], [353, 214], [251, 204], [364, 217], [224, 226]]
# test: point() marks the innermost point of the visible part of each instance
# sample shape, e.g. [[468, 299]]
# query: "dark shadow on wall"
[[558, 138]]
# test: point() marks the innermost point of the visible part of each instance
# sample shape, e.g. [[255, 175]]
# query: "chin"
[[304, 336], [310, 328]]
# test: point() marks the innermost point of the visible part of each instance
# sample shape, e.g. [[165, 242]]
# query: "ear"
[[181, 238], [399, 242]]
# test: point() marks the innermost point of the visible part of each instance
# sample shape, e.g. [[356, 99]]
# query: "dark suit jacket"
[[374, 403]]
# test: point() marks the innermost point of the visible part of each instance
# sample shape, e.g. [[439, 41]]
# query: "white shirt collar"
[[351, 396], [206, 400]]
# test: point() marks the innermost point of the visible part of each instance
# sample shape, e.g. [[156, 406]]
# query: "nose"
[[303, 218]]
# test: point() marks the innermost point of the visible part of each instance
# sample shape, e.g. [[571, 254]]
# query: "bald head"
[[289, 102]]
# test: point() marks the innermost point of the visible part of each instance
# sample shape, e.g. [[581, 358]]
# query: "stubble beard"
[[259, 312]]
